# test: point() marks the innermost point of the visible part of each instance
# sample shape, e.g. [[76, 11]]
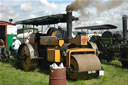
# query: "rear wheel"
[[25, 57]]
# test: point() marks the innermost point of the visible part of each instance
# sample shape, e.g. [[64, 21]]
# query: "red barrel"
[[57, 77]]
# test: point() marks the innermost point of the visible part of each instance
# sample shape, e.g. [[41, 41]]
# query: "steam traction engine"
[[111, 46], [58, 46]]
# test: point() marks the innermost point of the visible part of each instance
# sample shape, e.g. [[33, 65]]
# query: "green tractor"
[[111, 46], [107, 44]]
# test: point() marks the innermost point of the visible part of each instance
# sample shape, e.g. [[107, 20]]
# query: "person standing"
[[16, 44], [2, 47]]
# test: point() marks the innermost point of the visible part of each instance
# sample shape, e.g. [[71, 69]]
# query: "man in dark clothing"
[[2, 47]]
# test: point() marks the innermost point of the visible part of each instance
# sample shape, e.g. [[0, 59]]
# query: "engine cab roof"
[[46, 20], [98, 27]]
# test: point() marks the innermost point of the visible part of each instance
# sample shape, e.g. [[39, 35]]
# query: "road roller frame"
[[57, 46], [74, 50]]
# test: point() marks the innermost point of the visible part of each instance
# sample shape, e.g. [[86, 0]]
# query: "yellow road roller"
[[58, 46]]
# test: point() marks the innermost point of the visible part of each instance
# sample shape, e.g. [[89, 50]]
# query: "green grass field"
[[10, 75]]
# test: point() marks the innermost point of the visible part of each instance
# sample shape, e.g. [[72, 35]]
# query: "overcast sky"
[[25, 9]]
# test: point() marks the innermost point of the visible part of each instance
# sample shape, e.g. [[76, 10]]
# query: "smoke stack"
[[10, 20], [69, 22], [124, 21]]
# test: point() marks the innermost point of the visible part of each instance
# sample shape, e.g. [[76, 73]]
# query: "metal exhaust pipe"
[[69, 22], [124, 22]]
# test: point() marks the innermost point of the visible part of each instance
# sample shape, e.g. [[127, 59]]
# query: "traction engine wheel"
[[25, 57]]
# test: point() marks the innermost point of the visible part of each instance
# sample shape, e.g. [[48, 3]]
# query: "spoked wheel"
[[25, 57], [81, 64]]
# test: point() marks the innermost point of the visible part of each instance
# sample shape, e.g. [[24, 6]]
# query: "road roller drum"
[[82, 64]]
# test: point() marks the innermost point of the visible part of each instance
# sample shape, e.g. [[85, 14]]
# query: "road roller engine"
[[58, 46], [110, 45]]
